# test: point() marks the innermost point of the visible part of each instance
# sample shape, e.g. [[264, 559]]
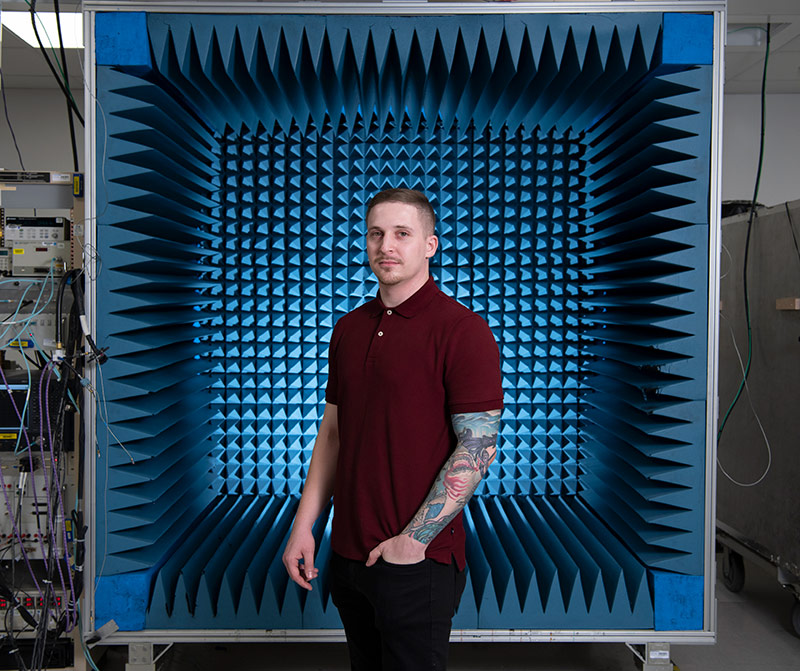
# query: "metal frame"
[[633, 636], [400, 7], [714, 247], [90, 237], [413, 7]]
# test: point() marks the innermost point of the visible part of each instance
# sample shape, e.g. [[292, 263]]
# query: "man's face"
[[398, 244]]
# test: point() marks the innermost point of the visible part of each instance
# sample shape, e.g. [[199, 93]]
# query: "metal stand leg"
[[657, 657], [654, 657], [140, 657]]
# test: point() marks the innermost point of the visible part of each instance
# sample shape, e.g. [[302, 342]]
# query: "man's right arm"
[[317, 491]]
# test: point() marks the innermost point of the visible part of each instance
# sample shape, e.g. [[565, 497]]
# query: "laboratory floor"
[[754, 633]]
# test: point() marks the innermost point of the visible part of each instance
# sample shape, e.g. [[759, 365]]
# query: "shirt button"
[[380, 333], [388, 312]]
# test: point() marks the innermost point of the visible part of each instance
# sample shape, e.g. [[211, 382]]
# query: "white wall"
[[39, 119], [40, 123], [780, 175]]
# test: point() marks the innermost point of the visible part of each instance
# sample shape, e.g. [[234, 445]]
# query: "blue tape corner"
[[677, 601], [121, 39], [123, 598], [687, 39]]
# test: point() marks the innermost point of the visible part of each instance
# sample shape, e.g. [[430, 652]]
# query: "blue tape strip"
[[688, 39], [123, 598], [121, 39], [677, 601]]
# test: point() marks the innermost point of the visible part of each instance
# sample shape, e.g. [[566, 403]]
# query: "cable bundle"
[[53, 390]]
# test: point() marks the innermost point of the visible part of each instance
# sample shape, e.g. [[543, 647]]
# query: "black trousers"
[[396, 617]]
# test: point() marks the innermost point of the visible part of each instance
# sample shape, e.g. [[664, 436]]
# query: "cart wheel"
[[732, 571], [796, 617]]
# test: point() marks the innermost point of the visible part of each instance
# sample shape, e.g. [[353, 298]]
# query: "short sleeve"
[[472, 377], [332, 388]]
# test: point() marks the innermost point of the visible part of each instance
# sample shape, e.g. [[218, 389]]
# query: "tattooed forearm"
[[460, 475]]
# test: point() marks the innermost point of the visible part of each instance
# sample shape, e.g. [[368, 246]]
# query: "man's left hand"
[[400, 549]]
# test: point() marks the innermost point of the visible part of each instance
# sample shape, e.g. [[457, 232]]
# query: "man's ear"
[[433, 245]]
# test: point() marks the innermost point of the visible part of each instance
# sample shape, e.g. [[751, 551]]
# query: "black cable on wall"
[[60, 83], [753, 205]]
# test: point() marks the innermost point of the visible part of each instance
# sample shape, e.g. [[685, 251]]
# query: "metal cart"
[[758, 457], [736, 549]]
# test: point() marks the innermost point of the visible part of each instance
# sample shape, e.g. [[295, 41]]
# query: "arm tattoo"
[[460, 475]]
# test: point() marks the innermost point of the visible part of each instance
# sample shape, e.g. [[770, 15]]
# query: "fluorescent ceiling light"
[[19, 23], [749, 35]]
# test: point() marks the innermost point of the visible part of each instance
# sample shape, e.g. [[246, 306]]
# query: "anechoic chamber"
[[572, 160]]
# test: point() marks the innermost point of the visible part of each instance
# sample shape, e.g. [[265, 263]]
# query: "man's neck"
[[394, 295]]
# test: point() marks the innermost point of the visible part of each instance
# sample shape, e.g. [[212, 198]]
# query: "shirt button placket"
[[380, 333]]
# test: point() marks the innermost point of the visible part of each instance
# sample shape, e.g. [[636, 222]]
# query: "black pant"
[[396, 617]]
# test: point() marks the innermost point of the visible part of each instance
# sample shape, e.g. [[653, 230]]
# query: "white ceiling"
[[24, 67], [744, 65]]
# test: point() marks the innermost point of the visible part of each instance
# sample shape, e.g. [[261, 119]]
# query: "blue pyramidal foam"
[[567, 158]]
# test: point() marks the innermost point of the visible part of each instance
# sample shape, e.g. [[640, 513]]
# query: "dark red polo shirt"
[[396, 376]]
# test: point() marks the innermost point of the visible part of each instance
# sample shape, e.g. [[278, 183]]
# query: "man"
[[409, 429]]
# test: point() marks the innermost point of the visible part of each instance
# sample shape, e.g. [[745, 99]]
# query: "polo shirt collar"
[[410, 307]]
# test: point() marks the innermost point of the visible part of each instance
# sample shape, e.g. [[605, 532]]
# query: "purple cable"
[[33, 484], [5, 493], [42, 410], [44, 407], [53, 463]]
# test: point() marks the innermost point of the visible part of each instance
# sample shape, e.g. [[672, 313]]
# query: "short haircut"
[[409, 197]]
